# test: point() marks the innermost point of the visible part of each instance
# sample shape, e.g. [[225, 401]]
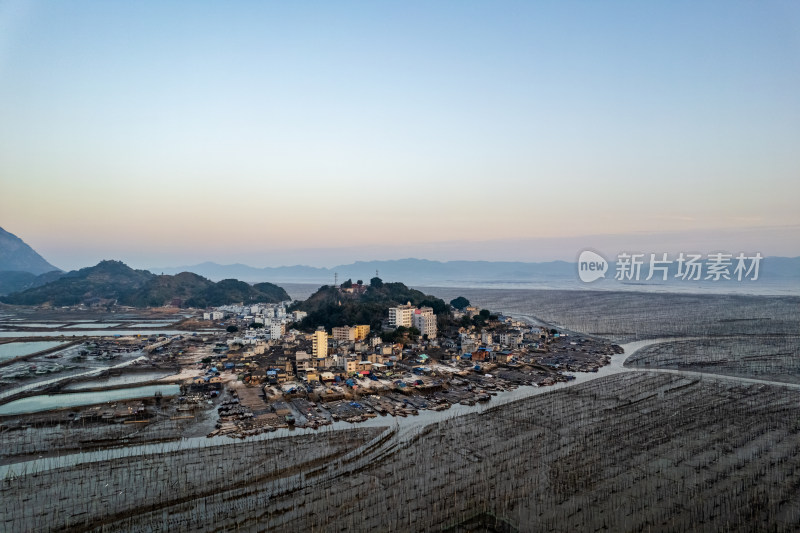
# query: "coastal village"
[[258, 371]]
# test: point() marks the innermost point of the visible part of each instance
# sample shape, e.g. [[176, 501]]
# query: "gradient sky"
[[169, 133]]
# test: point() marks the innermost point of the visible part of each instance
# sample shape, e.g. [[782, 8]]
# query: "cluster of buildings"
[[408, 316], [307, 357], [318, 356], [315, 377], [274, 355], [487, 344], [271, 319]]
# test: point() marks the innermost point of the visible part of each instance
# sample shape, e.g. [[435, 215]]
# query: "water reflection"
[[35, 404], [17, 349]]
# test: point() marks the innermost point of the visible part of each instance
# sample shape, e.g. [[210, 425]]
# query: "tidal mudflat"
[[696, 432]]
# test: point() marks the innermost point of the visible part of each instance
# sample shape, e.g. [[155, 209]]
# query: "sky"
[[274, 133]]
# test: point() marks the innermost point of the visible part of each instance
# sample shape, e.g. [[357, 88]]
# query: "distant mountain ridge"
[[426, 272], [16, 256], [13, 281], [21, 267], [114, 281], [410, 270]]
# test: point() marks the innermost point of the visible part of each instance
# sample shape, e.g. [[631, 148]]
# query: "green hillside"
[[231, 290], [15, 281], [330, 307], [115, 281]]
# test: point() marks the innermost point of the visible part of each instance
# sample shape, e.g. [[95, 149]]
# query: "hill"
[[231, 290], [16, 256], [14, 281], [159, 290], [108, 280], [330, 307], [114, 281], [21, 267]]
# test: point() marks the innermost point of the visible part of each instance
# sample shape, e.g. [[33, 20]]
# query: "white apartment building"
[[511, 338], [401, 315], [425, 322]]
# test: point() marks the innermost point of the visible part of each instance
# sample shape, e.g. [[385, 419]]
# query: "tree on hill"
[[271, 293], [438, 306], [459, 303], [231, 290], [401, 334], [161, 290], [376, 282]]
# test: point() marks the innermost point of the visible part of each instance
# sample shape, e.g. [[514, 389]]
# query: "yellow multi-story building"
[[319, 343], [347, 333], [361, 332]]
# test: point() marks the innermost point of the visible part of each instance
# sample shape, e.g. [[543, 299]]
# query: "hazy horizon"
[[530, 251]]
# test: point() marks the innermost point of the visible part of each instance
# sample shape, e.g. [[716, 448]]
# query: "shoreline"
[[406, 423]]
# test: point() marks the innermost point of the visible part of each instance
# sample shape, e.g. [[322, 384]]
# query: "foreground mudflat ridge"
[[131, 490], [764, 357], [632, 451]]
